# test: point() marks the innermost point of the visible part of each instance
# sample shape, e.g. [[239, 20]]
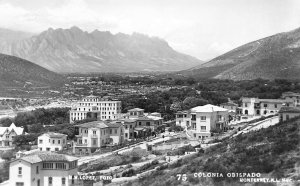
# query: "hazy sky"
[[201, 28]]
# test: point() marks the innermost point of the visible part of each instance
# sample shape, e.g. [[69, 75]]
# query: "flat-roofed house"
[[52, 141], [7, 135], [261, 107], [44, 169], [287, 113], [205, 119]]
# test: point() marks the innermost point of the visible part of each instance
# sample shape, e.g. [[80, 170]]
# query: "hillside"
[[73, 50], [277, 56], [273, 152], [17, 72]]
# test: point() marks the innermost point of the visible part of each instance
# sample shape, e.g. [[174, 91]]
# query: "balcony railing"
[[80, 144]]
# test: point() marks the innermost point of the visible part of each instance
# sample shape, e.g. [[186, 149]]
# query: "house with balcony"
[[7, 135], [183, 118], [94, 135], [44, 169], [263, 107], [287, 113], [206, 119], [52, 141]]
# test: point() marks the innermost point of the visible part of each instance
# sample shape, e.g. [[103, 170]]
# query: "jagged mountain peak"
[[69, 50]]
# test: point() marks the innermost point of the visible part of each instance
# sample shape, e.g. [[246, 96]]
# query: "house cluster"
[[287, 106], [43, 168], [111, 126]]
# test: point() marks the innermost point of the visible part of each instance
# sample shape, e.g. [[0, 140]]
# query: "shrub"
[[128, 173]]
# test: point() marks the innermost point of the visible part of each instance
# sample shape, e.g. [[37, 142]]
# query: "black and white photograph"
[[149, 92]]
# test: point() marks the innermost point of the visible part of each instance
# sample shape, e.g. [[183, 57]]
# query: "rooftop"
[[289, 110], [44, 156], [135, 109], [93, 124], [229, 104], [54, 135], [208, 108]]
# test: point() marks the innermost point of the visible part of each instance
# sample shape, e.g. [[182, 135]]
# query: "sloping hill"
[[273, 152], [277, 56], [74, 50], [17, 72]]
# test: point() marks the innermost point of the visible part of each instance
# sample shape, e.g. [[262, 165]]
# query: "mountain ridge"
[[69, 50], [276, 56]]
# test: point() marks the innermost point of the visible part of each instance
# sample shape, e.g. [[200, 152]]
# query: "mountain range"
[[76, 51], [16, 72], [277, 56]]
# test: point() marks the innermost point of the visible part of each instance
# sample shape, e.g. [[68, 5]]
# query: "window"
[[246, 105], [20, 170], [130, 126], [194, 135], [40, 141], [110, 131], [47, 149], [94, 132], [194, 126], [148, 123], [265, 105], [275, 105], [85, 141], [94, 142], [63, 181], [140, 123], [72, 179], [50, 180], [38, 182], [116, 131], [287, 117], [58, 141], [37, 169], [203, 118], [126, 126], [64, 141], [126, 135], [56, 149], [203, 127], [193, 116], [53, 141]]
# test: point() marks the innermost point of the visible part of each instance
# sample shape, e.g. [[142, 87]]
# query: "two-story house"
[[295, 97], [94, 135], [262, 107], [44, 169], [7, 135], [183, 119], [205, 119], [52, 141], [287, 113]]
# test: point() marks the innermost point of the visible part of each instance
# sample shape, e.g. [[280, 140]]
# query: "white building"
[[51, 141], [202, 120], [7, 135], [94, 107], [295, 97], [260, 107], [44, 169]]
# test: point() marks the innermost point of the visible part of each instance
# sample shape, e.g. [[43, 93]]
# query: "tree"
[[6, 122]]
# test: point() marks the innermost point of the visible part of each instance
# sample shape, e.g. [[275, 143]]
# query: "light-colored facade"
[[287, 113], [200, 121], [44, 169], [51, 141], [7, 135], [263, 107], [183, 118], [295, 97], [97, 134], [231, 107], [94, 107]]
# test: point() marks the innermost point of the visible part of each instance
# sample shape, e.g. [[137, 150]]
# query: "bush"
[[128, 173]]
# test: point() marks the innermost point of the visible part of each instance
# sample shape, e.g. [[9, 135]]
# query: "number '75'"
[[182, 177]]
